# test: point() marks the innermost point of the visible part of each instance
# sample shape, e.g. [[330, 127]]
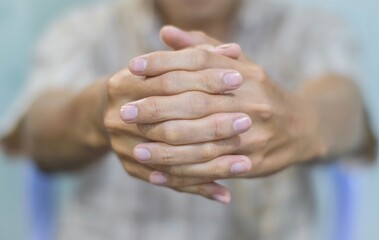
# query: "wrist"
[[317, 130], [91, 103], [309, 130]]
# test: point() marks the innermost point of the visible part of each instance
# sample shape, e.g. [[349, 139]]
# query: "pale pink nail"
[[239, 168], [242, 124], [142, 154], [138, 65], [129, 112], [157, 178], [221, 198], [224, 46], [232, 79]]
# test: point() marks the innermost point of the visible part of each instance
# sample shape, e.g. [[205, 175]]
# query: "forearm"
[[342, 121], [64, 131]]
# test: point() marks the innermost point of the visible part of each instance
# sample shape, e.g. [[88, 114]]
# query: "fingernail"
[[221, 198], [157, 178], [138, 64], [224, 46], [142, 154], [232, 79], [129, 112], [239, 168], [242, 124]]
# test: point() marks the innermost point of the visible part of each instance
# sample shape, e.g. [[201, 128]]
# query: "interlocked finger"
[[180, 132]]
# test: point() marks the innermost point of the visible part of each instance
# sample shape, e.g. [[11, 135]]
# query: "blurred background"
[[357, 196]]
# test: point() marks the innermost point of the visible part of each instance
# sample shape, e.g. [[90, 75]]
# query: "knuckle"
[[153, 110], [262, 110], [266, 112], [213, 172], [176, 170], [198, 103], [171, 170], [170, 134], [212, 150], [167, 83], [116, 83], [220, 169], [217, 128], [233, 144], [208, 82], [147, 131], [258, 73], [263, 141], [208, 151], [201, 57], [166, 156], [113, 83]]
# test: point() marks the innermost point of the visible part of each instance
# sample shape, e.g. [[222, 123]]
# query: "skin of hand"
[[287, 127], [283, 129], [125, 87], [64, 131], [73, 128]]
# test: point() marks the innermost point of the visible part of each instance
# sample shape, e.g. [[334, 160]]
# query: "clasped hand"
[[204, 112]]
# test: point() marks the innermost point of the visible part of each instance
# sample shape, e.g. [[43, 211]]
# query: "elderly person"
[[182, 110]]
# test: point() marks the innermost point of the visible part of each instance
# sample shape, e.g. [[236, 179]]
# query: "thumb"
[[177, 39]]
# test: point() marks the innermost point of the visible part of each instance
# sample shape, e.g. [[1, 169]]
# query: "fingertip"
[[242, 124], [241, 165], [175, 37], [165, 31], [236, 47], [224, 197], [170, 29], [128, 113], [232, 50], [232, 79], [158, 178], [142, 154], [138, 65]]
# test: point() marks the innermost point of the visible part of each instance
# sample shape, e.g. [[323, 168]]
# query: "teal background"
[[23, 21]]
